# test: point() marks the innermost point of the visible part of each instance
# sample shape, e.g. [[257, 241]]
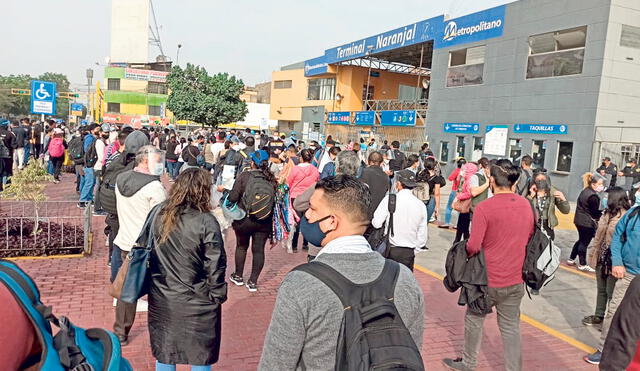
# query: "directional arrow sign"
[[461, 128]]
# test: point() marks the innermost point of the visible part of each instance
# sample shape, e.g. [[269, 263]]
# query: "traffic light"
[[15, 91], [68, 95]]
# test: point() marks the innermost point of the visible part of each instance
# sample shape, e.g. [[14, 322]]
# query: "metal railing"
[[53, 228]]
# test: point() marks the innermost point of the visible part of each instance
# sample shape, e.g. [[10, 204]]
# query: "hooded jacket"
[[136, 194], [301, 178]]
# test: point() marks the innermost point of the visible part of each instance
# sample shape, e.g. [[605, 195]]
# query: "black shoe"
[[535, 292], [305, 247], [99, 213], [236, 279], [295, 249], [123, 339], [82, 205], [592, 320], [253, 287], [455, 364]]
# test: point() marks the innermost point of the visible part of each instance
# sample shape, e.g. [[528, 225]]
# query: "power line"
[[155, 33]]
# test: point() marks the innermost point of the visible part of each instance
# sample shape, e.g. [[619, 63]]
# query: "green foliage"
[[28, 184], [209, 100], [19, 105]]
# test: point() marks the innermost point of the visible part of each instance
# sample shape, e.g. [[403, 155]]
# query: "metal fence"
[[51, 228]]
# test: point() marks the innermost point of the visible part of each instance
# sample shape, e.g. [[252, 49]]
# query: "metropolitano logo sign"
[[473, 27]]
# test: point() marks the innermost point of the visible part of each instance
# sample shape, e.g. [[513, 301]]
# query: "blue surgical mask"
[[312, 232], [158, 169]]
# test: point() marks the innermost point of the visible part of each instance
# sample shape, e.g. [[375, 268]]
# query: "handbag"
[[605, 261], [462, 207], [132, 280]]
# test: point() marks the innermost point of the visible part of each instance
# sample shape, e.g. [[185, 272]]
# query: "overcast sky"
[[247, 38]]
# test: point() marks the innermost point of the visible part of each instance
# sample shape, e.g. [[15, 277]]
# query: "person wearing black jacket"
[[624, 333], [608, 168], [586, 219], [21, 142], [6, 158], [397, 163], [187, 286], [171, 157], [376, 179]]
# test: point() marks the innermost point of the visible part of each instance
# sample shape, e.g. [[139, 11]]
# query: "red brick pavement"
[[76, 287]]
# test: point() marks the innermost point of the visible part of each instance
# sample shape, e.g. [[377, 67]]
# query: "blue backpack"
[[72, 348]]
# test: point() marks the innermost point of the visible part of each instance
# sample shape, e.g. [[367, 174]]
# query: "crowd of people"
[[363, 213]]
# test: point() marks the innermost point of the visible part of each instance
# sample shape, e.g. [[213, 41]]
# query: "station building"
[[558, 80]]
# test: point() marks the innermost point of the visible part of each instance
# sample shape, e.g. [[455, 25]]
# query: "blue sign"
[[398, 118], [43, 97], [365, 117], [462, 128], [315, 66], [469, 28], [408, 35], [343, 118], [77, 106], [540, 129]]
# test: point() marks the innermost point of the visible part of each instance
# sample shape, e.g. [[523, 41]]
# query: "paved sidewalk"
[[77, 287]]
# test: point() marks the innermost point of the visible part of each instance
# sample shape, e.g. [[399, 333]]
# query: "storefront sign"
[[540, 129], [365, 117], [341, 118], [408, 35], [398, 118], [145, 75], [77, 108], [470, 28], [135, 121], [462, 128], [315, 66], [495, 140]]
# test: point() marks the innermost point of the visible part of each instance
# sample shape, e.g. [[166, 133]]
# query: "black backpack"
[[76, 150], [259, 197], [399, 162], [372, 334], [91, 156], [4, 150]]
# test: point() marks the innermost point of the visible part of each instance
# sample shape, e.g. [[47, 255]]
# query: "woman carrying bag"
[[187, 285], [462, 202]]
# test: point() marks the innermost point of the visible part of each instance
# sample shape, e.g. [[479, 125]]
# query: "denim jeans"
[[27, 154], [165, 367], [50, 167], [171, 169], [449, 210], [86, 185], [431, 206], [507, 301]]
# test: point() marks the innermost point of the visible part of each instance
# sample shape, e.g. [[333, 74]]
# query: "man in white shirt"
[[97, 168], [409, 227], [137, 192]]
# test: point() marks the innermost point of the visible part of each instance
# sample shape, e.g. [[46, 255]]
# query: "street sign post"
[[340, 118], [398, 118], [365, 117], [43, 97]]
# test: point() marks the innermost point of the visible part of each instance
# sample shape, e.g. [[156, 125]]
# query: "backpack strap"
[[344, 288]]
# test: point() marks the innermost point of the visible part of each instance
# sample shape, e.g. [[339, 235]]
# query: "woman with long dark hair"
[[254, 191], [188, 284], [464, 193], [617, 205], [586, 219]]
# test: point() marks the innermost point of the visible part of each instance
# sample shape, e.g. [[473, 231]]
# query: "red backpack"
[[56, 147]]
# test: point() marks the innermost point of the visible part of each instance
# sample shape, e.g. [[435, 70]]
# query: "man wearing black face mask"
[[307, 312], [545, 199]]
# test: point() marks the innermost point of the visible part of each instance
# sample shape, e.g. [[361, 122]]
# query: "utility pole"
[[89, 78], [178, 55]]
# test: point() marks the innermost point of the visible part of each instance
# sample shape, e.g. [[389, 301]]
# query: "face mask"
[[312, 232], [158, 169], [599, 188], [542, 184]]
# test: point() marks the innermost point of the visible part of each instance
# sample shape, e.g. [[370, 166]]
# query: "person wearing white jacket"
[[137, 192]]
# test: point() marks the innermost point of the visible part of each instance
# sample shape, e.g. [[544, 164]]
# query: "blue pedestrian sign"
[[343, 118], [540, 129], [398, 118], [365, 117], [43, 97], [461, 128]]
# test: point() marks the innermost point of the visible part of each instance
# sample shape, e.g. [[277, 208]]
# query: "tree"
[[19, 105], [209, 100], [28, 185]]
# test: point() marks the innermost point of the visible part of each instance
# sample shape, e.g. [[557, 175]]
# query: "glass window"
[[282, 84], [155, 110], [321, 89], [466, 67], [565, 152], [460, 147], [630, 36], [558, 53], [444, 151], [157, 87], [478, 144], [538, 151], [113, 84], [113, 107], [515, 150]]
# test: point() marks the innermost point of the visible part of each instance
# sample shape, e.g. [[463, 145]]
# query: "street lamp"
[[178, 54], [89, 78]]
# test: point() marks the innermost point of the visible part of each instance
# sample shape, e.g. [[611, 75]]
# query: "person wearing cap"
[[608, 168], [631, 173], [409, 227], [249, 229], [292, 140]]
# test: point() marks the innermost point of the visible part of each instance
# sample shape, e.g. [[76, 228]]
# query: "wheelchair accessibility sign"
[[43, 97]]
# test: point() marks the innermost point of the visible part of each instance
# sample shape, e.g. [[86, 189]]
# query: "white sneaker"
[[571, 262], [115, 302], [142, 306], [586, 268]]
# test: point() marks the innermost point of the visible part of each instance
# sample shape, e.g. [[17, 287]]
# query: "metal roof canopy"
[[413, 59]]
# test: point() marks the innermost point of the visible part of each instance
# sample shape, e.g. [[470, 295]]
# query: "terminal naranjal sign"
[[540, 129]]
